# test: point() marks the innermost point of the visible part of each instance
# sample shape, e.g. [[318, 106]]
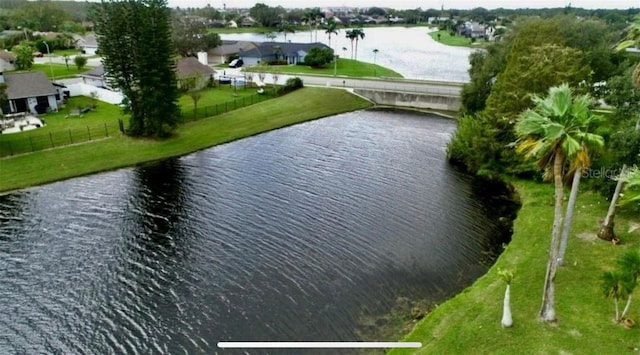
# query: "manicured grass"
[[448, 39], [59, 70], [63, 52], [470, 322], [346, 67], [121, 151]]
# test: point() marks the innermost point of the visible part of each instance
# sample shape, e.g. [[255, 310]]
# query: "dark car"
[[236, 63]]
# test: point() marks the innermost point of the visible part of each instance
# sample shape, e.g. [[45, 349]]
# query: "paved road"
[[387, 84]]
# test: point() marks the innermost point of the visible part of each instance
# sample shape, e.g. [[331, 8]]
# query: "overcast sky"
[[412, 4]]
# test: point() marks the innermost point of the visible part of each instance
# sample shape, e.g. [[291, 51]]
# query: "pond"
[[298, 234]]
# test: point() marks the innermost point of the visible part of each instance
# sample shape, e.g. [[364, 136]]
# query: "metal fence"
[[218, 109], [10, 146]]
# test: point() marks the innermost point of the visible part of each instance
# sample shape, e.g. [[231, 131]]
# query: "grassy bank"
[[448, 39], [345, 67], [121, 151], [470, 322], [59, 71]]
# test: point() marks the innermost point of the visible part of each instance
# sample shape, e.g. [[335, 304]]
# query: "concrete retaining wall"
[[411, 99]]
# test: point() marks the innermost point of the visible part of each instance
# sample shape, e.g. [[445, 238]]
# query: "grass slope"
[[346, 67], [121, 151], [470, 322], [448, 39]]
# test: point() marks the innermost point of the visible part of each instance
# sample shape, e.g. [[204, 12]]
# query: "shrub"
[[293, 84]]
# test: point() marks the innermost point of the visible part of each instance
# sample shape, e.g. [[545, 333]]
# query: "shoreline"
[[48, 166]]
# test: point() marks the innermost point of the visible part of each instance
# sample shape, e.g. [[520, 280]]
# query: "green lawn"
[[59, 70], [448, 39], [470, 322], [63, 128], [346, 67], [121, 151]]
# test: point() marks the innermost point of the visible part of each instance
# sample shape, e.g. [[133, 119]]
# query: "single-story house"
[[7, 61], [292, 53], [30, 92], [190, 68], [88, 44], [95, 77], [228, 48], [185, 68]]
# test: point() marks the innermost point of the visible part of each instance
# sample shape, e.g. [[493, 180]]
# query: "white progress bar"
[[315, 345]]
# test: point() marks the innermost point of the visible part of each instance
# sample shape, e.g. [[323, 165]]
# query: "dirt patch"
[[588, 237]]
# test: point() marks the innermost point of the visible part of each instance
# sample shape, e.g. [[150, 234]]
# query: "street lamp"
[[375, 52], [50, 65], [335, 65]]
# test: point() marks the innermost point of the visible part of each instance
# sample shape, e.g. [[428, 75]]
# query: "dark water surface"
[[291, 235]]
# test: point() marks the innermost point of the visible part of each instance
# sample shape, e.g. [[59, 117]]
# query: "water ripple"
[[290, 235]]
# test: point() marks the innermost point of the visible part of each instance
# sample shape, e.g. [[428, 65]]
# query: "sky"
[[412, 4]]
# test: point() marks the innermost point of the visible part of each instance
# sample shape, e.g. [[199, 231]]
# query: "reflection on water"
[[290, 235]]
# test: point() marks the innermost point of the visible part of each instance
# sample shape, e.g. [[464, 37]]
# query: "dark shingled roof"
[[190, 66], [31, 84], [96, 72], [267, 48]]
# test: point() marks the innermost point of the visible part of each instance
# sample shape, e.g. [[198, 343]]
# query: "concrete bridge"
[[396, 92]]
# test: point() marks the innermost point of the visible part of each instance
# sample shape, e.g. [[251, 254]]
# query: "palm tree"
[[286, 28], [507, 319], [620, 283], [606, 231], [309, 18], [359, 34], [556, 131], [331, 27], [352, 36], [632, 187]]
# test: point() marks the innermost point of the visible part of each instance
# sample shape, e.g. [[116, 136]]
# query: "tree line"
[[552, 100]]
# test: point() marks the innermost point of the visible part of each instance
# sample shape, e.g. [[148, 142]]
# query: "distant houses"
[[290, 53]]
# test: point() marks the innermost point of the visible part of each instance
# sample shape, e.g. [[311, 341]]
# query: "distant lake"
[[408, 50]]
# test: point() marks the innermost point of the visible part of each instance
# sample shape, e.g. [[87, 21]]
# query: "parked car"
[[38, 54], [236, 63]]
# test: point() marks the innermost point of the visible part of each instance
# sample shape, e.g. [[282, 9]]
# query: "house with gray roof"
[[30, 92], [7, 61], [95, 77], [189, 69], [292, 53], [229, 48]]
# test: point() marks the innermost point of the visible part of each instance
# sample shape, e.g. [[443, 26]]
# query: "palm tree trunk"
[[626, 308], [548, 310], [569, 215], [356, 58], [352, 48], [606, 231], [617, 319], [507, 320]]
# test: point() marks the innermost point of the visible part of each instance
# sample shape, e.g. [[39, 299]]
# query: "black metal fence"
[[10, 145], [218, 109], [34, 142]]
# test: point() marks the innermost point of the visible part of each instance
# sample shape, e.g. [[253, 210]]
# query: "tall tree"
[[554, 132], [351, 36], [24, 56], [331, 27], [40, 15], [286, 28], [135, 42], [191, 37], [359, 34]]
